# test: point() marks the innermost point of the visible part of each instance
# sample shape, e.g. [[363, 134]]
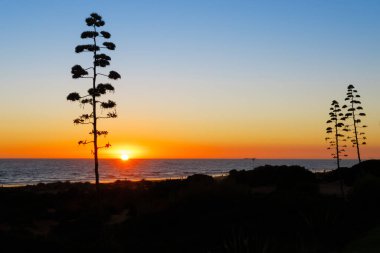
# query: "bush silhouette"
[[283, 177], [365, 196], [200, 179], [352, 174]]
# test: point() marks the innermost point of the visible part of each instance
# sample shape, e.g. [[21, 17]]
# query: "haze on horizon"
[[200, 79]]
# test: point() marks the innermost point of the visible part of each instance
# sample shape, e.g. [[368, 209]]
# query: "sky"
[[200, 79]]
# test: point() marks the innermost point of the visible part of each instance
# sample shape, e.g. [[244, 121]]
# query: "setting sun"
[[124, 157]]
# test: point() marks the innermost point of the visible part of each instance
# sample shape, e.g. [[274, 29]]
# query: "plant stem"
[[337, 141], [337, 155], [95, 134], [355, 130]]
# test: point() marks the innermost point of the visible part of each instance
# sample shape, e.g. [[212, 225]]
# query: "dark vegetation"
[[268, 209]]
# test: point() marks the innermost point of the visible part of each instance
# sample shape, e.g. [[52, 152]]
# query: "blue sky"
[[199, 62]]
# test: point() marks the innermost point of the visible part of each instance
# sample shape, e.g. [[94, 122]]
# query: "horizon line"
[[193, 158]]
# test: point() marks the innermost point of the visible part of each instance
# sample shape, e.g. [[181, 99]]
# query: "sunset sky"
[[200, 78]]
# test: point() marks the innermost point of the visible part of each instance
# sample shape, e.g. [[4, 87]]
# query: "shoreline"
[[217, 176], [153, 179], [112, 181], [31, 172]]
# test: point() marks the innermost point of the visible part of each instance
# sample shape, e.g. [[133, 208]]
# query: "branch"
[[104, 117], [85, 142], [110, 115], [81, 120], [84, 123], [99, 133], [108, 145]]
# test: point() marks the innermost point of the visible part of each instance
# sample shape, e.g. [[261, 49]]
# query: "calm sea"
[[33, 171]]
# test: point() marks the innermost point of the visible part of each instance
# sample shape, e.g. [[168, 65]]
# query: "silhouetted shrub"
[[366, 193], [198, 214], [332, 175], [200, 179], [283, 177], [370, 167], [354, 173]]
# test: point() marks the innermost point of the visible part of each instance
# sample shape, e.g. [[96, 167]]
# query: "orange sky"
[[158, 131], [61, 143]]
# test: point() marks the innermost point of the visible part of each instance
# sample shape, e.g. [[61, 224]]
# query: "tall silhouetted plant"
[[99, 60], [353, 112], [336, 143]]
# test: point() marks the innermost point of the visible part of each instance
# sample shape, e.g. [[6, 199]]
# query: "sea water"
[[34, 171]]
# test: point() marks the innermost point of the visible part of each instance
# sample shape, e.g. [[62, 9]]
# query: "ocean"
[[15, 172]]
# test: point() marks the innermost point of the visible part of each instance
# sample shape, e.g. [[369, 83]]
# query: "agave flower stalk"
[[336, 143], [354, 112], [336, 124], [99, 60]]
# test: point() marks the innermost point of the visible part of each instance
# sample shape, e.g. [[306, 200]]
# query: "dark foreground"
[[269, 209]]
